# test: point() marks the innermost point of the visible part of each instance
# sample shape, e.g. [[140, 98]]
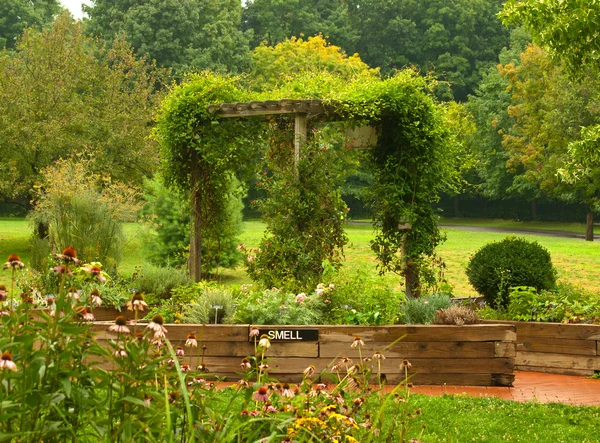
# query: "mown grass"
[[576, 260]]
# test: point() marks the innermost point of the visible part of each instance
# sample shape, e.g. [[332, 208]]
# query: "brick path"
[[531, 386]]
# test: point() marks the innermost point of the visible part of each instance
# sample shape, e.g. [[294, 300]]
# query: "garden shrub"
[[158, 282], [423, 311], [498, 266], [456, 315], [565, 304], [168, 242]]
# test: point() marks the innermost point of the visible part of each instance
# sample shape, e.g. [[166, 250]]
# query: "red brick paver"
[[531, 386]]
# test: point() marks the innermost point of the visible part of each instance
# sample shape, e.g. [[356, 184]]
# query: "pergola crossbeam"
[[311, 108]]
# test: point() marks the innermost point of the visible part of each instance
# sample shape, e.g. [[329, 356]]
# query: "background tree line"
[[518, 114]]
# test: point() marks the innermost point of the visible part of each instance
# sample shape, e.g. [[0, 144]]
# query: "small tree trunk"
[[456, 206], [533, 210], [195, 258], [589, 226], [413, 286]]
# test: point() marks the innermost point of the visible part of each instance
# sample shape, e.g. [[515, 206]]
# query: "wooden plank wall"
[[476, 355], [569, 349]]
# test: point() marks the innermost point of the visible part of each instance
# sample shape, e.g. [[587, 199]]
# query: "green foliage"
[[191, 35], [565, 304], [16, 15], [423, 311], [304, 213], [158, 282], [567, 28], [499, 266], [64, 95], [277, 307]]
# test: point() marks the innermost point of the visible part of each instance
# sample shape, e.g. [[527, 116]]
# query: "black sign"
[[290, 334]]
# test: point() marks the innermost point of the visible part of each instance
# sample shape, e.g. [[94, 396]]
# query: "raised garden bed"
[[570, 349], [477, 355]]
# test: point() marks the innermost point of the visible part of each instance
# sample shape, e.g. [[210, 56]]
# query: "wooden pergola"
[[303, 111]]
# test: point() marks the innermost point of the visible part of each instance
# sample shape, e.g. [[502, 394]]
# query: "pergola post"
[[300, 128]]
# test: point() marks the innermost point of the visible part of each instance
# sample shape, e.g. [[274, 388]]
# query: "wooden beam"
[[272, 107], [300, 121]]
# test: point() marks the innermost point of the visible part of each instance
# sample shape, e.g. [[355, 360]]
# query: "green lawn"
[[577, 261]]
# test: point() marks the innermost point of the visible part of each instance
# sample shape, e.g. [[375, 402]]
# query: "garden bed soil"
[[476, 355]]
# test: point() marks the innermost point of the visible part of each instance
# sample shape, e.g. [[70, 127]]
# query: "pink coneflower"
[[179, 352], [96, 271], [95, 298], [320, 292], [137, 302], [300, 298], [6, 362], [261, 395], [85, 314], [309, 371], [263, 366], [243, 383], [14, 262], [269, 408], [156, 325], [26, 298], [202, 368], [120, 352], [73, 293], [378, 356], [185, 368], [358, 402], [120, 325], [245, 364], [191, 341], [345, 361], [317, 390], [68, 255], [264, 342], [357, 342], [254, 332], [3, 293], [405, 364], [354, 369], [286, 391], [62, 269]]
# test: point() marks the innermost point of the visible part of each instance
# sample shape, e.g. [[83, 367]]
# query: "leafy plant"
[[423, 311], [211, 305], [277, 307], [456, 315], [158, 282], [498, 266]]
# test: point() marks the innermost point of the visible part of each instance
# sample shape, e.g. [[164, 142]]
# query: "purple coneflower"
[[179, 352], [405, 364], [264, 342], [68, 255], [73, 293], [185, 368], [245, 364], [261, 395], [191, 341], [62, 269], [357, 342], [300, 298], [86, 315], [309, 371], [202, 368], [120, 325], [95, 298], [14, 262], [3, 293], [378, 356], [254, 332], [269, 408], [156, 325], [137, 302], [287, 391], [120, 352], [6, 362]]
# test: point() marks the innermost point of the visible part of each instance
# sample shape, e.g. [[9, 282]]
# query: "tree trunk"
[[413, 286], [589, 226], [456, 206], [533, 210], [41, 230], [195, 258]]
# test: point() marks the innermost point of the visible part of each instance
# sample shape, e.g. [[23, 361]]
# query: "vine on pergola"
[[202, 148]]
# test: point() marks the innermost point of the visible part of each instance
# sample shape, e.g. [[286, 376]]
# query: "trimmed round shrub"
[[498, 266]]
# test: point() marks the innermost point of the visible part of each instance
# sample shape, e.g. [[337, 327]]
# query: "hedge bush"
[[499, 266]]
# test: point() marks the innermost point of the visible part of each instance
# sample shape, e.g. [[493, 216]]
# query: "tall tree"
[[273, 21], [16, 15], [64, 94], [549, 110], [456, 39], [181, 34]]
